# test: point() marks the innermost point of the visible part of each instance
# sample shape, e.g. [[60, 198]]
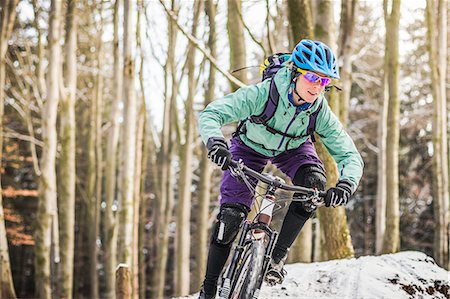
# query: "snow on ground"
[[408, 274]]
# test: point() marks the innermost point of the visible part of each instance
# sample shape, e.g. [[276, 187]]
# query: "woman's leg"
[[305, 169], [311, 176], [236, 200]]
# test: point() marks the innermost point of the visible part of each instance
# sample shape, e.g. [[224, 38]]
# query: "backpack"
[[268, 69]]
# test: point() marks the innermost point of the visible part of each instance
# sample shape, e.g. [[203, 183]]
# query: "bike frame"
[[313, 196]]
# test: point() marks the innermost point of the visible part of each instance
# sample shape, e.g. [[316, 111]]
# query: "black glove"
[[218, 152], [338, 195]]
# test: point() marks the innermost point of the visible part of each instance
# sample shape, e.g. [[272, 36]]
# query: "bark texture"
[[236, 38], [66, 200], [110, 233], [47, 214], [8, 15], [437, 48], [333, 221], [391, 241]]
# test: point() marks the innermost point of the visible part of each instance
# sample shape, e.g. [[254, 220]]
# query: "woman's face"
[[307, 90]]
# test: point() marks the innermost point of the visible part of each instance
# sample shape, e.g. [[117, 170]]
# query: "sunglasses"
[[313, 77]]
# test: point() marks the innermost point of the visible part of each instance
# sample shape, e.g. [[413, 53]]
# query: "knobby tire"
[[249, 271]]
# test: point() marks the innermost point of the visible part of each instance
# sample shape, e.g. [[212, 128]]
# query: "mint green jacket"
[[251, 100]]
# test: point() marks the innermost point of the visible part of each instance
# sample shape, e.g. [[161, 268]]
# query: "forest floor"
[[407, 274]]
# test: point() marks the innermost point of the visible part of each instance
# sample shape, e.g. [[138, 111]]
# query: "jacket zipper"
[[297, 111]]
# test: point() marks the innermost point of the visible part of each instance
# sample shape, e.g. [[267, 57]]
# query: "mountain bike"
[[250, 260]]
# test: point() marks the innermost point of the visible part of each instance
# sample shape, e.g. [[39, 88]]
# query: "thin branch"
[[241, 17], [269, 36], [11, 134], [201, 48]]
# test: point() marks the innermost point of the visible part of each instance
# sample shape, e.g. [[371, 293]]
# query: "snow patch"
[[407, 274]]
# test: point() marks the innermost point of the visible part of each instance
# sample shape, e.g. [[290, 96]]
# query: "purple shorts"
[[233, 191]]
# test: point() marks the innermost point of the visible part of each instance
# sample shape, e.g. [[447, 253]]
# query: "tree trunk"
[[8, 15], [95, 170], [302, 27], [47, 213], [333, 221], [391, 241], [301, 250], [110, 242], [66, 206], [380, 220], [137, 198], [201, 252], [183, 238], [348, 12], [165, 202], [129, 140], [143, 208], [436, 48], [236, 39], [123, 279]]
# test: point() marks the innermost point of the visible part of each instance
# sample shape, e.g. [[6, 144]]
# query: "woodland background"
[[101, 160]]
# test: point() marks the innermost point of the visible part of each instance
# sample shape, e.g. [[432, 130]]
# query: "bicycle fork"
[[226, 288]]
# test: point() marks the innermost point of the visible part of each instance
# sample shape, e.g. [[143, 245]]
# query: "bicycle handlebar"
[[279, 185]]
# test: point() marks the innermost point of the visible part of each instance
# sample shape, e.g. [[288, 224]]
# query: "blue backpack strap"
[[312, 122]]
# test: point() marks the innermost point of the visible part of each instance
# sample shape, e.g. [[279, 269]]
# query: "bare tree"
[[129, 140], [346, 41], [8, 15], [333, 222], [47, 214], [301, 27], [391, 241], [66, 201], [236, 39], [437, 48], [182, 282], [110, 242], [165, 156], [205, 166]]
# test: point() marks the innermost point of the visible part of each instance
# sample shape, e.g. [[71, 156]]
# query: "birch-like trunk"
[[205, 171], [346, 40], [95, 169], [333, 221], [236, 39], [183, 237], [380, 217], [440, 172], [47, 214], [137, 198], [165, 202], [129, 140], [8, 15], [391, 241], [66, 201], [110, 242]]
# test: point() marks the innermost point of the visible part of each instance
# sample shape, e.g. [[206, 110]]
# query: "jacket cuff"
[[347, 184], [214, 141]]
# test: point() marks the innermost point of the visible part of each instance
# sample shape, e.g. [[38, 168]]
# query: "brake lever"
[[237, 171], [314, 202]]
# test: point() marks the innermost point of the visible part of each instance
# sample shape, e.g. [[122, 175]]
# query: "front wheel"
[[249, 272]]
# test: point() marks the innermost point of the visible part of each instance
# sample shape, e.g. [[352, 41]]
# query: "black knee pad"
[[310, 176], [228, 221]]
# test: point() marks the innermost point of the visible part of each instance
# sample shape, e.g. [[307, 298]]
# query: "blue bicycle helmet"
[[315, 56]]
